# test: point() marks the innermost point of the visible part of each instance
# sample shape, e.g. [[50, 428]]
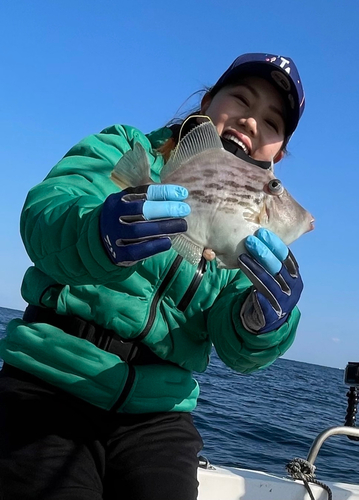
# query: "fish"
[[230, 198]]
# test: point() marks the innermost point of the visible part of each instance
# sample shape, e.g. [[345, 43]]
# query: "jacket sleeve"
[[239, 349], [60, 219]]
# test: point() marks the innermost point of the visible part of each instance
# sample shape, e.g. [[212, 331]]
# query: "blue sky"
[[69, 69]]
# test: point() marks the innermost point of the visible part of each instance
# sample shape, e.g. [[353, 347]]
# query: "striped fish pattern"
[[229, 197]]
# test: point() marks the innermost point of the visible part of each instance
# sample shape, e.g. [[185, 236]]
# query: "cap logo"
[[281, 80], [284, 63]]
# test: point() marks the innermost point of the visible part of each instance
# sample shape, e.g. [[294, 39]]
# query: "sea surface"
[[264, 420]]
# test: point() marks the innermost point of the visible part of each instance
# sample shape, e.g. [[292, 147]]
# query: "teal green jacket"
[[155, 298]]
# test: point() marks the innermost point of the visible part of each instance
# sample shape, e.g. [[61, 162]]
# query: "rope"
[[304, 471]]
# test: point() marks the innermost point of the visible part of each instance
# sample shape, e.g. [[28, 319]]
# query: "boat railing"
[[331, 431]]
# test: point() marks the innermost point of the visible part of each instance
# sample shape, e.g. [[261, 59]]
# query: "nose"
[[250, 124]]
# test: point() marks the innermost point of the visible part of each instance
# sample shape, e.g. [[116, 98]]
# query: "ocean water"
[[265, 419]]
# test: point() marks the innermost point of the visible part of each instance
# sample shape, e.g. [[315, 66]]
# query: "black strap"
[[132, 352], [237, 151]]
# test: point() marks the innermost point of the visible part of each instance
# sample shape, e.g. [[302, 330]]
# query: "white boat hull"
[[222, 483]]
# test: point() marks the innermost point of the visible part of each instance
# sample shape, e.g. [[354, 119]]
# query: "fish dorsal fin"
[[133, 169], [199, 139]]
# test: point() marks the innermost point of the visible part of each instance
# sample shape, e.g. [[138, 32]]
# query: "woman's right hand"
[[136, 223]]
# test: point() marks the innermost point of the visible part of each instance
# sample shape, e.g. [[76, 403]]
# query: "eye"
[[275, 187], [273, 125], [242, 99]]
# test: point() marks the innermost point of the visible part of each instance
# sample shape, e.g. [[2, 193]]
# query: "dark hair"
[[175, 124]]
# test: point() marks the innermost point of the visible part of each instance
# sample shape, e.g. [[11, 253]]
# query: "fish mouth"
[[240, 140], [311, 225]]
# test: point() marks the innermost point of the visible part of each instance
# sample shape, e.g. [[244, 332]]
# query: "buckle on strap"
[[130, 351]]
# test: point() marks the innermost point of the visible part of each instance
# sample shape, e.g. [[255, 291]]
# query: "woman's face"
[[252, 115]]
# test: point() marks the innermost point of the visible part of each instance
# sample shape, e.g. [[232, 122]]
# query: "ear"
[[206, 101], [278, 157]]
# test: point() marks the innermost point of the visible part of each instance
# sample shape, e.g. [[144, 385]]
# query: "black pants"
[[56, 447]]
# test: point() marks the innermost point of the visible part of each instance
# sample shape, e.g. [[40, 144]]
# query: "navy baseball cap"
[[278, 70]]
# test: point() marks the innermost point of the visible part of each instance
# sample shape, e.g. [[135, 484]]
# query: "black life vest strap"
[[130, 351]]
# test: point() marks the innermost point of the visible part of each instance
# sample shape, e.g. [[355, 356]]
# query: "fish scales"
[[229, 197]]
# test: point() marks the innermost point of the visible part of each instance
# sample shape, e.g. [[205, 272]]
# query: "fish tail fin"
[[133, 169], [203, 137], [185, 247]]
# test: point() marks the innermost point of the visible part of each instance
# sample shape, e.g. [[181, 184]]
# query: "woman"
[[101, 364]]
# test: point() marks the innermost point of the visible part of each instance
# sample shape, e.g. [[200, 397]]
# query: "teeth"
[[235, 139]]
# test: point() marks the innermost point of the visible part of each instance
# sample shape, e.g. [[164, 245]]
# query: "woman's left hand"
[[277, 284]]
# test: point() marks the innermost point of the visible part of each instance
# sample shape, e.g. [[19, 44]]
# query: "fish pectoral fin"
[[185, 247], [259, 217], [252, 215], [263, 216], [133, 169]]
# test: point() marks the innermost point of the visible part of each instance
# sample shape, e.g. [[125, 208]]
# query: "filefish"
[[229, 197]]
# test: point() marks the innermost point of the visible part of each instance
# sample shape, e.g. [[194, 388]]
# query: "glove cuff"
[[253, 319], [251, 314]]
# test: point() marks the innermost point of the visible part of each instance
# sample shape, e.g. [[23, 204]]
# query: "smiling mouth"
[[230, 137]]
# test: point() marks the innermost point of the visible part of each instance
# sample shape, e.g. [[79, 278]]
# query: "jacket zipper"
[[172, 271], [193, 287], [187, 297], [131, 372]]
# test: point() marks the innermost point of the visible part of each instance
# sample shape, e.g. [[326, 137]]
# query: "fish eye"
[[275, 187]]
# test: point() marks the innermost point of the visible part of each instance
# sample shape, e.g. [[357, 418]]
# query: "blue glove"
[[278, 285], [136, 223]]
